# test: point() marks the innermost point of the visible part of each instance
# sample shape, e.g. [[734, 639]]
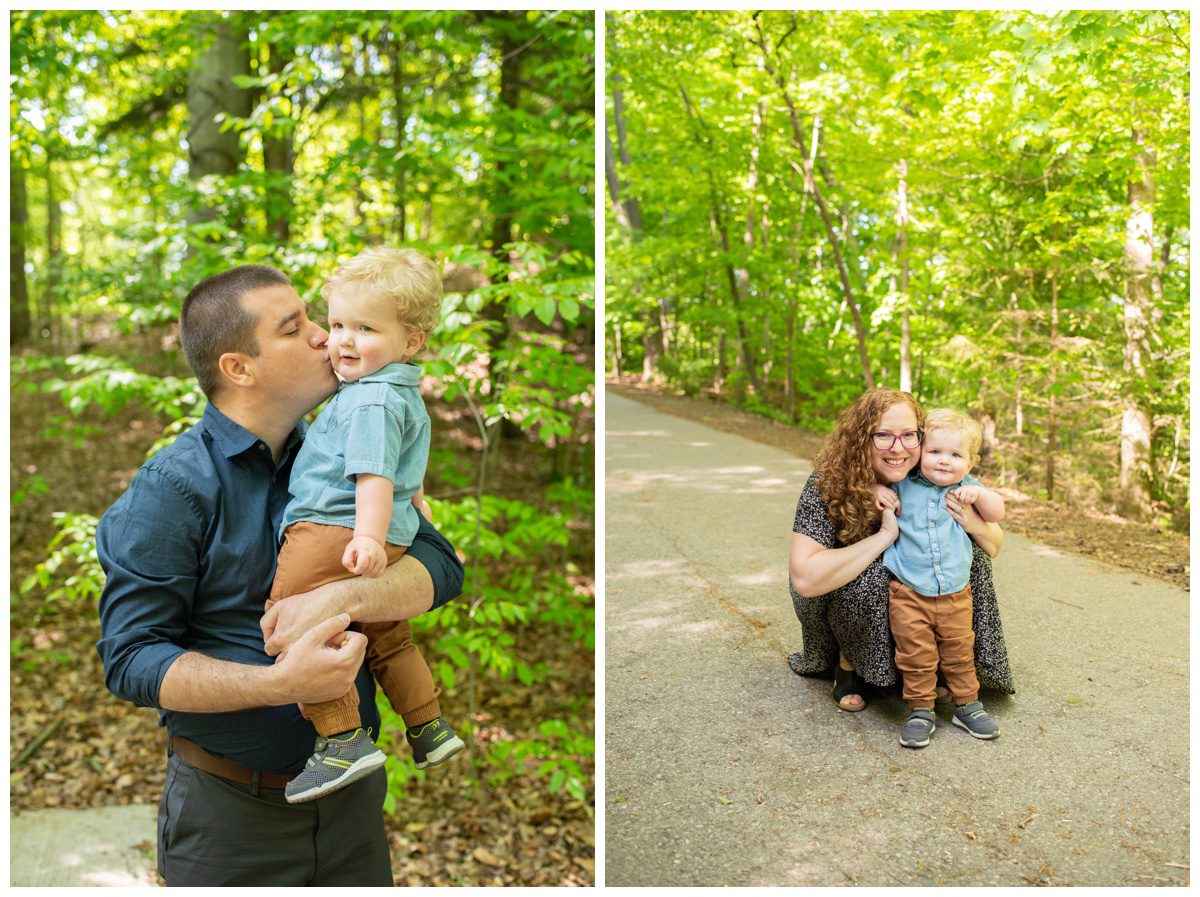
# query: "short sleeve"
[[373, 436], [969, 480], [812, 516]]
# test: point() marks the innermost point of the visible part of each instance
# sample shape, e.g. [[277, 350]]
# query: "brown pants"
[[312, 556], [933, 631]]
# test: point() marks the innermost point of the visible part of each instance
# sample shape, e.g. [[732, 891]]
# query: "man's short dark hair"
[[214, 321]]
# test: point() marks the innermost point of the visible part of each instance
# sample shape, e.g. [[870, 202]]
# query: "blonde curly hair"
[[956, 421], [407, 277], [847, 482]]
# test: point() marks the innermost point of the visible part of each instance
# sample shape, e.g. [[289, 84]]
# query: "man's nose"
[[318, 337]]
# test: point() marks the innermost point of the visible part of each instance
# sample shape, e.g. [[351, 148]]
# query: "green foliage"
[[557, 755], [71, 567], [1010, 135], [466, 134]]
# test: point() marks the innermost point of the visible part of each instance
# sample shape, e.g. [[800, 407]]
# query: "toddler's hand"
[[965, 495], [886, 499], [364, 557]]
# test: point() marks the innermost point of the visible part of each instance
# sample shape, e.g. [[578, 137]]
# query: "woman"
[[839, 586]]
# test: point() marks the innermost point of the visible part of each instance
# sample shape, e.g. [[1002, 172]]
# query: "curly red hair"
[[847, 482]]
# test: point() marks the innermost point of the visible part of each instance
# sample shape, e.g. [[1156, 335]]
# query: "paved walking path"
[[98, 847], [725, 768]]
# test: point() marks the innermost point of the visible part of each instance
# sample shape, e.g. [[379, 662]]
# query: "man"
[[189, 551]]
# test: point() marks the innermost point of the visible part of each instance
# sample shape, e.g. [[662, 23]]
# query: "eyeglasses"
[[910, 439]]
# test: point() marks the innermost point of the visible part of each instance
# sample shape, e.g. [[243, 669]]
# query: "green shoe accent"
[[433, 742], [335, 763]]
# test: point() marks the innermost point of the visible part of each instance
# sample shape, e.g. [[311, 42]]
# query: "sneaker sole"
[[918, 744], [966, 729], [362, 767], [442, 754]]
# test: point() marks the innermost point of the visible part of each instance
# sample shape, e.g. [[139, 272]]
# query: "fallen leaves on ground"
[[452, 829]]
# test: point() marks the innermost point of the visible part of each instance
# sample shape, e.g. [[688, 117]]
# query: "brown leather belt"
[[194, 755]]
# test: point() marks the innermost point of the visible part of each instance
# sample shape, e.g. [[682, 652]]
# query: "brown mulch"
[[452, 829], [1123, 543]]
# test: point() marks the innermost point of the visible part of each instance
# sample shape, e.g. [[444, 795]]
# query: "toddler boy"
[[356, 493], [929, 597]]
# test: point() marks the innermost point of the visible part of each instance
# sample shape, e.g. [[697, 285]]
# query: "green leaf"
[[544, 309]]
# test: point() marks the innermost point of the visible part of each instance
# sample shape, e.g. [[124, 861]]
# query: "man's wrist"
[[341, 597], [276, 688]]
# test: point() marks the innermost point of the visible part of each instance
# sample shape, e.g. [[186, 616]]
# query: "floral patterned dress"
[[854, 617]]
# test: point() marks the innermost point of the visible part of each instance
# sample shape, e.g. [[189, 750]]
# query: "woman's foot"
[[847, 689]]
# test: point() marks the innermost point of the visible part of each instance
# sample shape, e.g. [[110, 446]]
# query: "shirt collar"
[[406, 374], [233, 439], [917, 477]]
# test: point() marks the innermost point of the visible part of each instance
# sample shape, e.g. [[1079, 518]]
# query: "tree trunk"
[[361, 199], [505, 47], [901, 260], [1019, 350], [650, 352], [211, 92], [720, 235], [1136, 471], [278, 161], [49, 309], [810, 184], [508, 101], [630, 208], [18, 222], [400, 219], [617, 352], [1051, 417]]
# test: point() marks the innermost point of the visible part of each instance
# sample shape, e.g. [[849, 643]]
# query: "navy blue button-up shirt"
[[189, 551]]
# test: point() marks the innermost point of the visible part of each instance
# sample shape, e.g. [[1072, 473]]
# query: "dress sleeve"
[[149, 544], [812, 516]]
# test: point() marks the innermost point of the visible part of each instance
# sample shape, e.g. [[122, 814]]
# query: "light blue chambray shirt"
[[933, 554], [375, 425]]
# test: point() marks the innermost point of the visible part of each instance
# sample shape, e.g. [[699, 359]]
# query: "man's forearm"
[[404, 591], [196, 683]]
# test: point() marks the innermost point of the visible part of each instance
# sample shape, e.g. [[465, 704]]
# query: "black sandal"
[[846, 683]]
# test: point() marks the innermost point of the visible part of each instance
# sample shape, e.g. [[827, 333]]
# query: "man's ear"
[[236, 369]]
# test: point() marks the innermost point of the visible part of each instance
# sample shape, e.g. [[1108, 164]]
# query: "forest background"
[[151, 149], [988, 209]]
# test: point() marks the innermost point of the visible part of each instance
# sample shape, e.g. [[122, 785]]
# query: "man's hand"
[[886, 498], [286, 622], [322, 664], [364, 556], [422, 505]]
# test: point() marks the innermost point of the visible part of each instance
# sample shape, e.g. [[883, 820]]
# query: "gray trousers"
[[215, 832]]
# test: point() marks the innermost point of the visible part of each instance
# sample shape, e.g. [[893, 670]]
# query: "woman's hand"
[[987, 536], [889, 526]]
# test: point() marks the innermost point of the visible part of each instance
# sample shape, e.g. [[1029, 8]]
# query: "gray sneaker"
[[975, 720], [433, 742], [335, 763], [917, 729]]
